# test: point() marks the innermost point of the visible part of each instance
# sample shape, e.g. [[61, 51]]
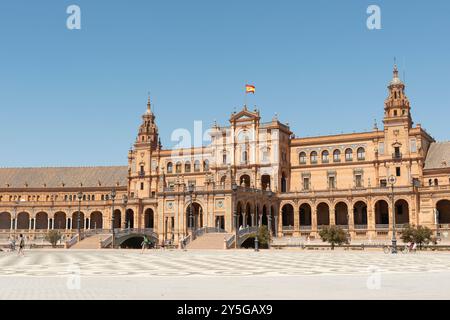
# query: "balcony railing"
[[382, 226], [288, 228], [360, 226], [397, 155], [305, 227]]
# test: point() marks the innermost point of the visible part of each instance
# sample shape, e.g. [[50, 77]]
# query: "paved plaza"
[[232, 274]]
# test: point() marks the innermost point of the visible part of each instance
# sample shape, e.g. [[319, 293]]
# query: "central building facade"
[[251, 173]]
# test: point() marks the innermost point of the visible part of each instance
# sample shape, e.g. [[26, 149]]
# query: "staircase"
[[209, 241], [92, 242]]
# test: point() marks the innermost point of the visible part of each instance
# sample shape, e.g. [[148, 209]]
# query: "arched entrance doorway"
[[149, 219], [194, 217], [341, 214], [305, 215], [129, 219], [323, 214], [41, 221], [5, 221], [75, 220], [60, 220], [96, 220], [381, 213], [360, 213], [401, 212], [443, 211], [287, 214], [23, 221]]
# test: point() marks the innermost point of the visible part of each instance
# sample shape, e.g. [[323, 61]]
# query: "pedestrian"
[[144, 244], [21, 245]]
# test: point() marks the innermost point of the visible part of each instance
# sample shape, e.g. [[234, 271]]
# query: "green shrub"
[[53, 236]]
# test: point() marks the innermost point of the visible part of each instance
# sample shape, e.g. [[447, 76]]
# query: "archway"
[[248, 215], [265, 182], [305, 215], [5, 221], [287, 214], [75, 220], [341, 214], [196, 221], [59, 220], [272, 219], [240, 213], [323, 214], [381, 212], [149, 217], [244, 181], [263, 219], [360, 213], [41, 221], [117, 219], [401, 212], [129, 219], [96, 220], [23, 220], [443, 211]]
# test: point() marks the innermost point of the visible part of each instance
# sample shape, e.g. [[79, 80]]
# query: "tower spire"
[[149, 107]]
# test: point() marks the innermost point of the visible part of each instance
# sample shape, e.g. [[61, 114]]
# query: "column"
[[314, 220], [253, 219], [279, 222], [296, 221], [351, 222], [53, 223], [29, 224], [67, 223], [276, 226], [332, 213], [48, 223], [370, 220]]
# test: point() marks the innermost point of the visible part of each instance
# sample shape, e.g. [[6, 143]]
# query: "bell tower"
[[396, 106], [148, 131]]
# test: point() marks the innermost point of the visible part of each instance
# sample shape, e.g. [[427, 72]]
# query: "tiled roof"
[[438, 156], [69, 176]]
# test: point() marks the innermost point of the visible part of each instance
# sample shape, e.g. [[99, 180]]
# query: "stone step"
[[91, 242], [209, 241]]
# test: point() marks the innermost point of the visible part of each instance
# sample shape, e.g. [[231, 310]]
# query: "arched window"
[[436, 182], [224, 158], [178, 167], [197, 166], [302, 158], [325, 155], [169, 167], [205, 165], [244, 156], [336, 156], [361, 153], [313, 157], [348, 154], [187, 167]]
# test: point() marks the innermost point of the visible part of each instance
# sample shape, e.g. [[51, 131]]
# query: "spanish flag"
[[249, 88]]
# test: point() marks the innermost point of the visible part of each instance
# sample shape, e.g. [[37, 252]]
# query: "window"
[[361, 153], [397, 151], [205, 165], [349, 155], [142, 171], [197, 166], [413, 145], [265, 156], [187, 167], [305, 183], [178, 167], [436, 182], [325, 155], [331, 182], [302, 158], [383, 183], [244, 156], [169, 167], [313, 157], [395, 112], [142, 186], [336, 156], [224, 158], [397, 171], [358, 181], [381, 148]]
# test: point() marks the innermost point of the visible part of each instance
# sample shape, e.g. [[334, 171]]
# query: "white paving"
[[232, 274]]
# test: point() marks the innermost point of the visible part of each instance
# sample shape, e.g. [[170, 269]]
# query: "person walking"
[[21, 245], [145, 244]]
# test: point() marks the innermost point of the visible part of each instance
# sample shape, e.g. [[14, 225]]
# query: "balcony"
[[397, 156], [360, 226]]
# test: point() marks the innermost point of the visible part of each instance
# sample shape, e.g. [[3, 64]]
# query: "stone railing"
[[360, 226], [105, 242], [72, 241]]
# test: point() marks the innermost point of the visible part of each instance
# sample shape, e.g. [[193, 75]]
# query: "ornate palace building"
[[258, 170]]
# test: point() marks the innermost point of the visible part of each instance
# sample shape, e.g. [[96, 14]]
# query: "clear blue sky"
[[75, 97]]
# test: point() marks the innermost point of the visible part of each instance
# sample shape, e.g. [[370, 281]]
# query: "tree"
[[333, 235], [53, 236], [263, 236], [420, 235]]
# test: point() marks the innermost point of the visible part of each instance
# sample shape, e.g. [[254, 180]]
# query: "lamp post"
[[236, 235], [437, 224], [191, 216], [80, 197], [392, 179], [113, 197]]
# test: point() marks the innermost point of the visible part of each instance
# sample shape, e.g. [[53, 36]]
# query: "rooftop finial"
[[148, 104]]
